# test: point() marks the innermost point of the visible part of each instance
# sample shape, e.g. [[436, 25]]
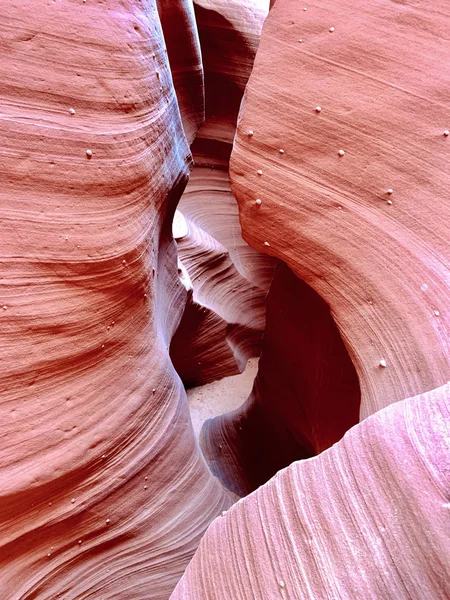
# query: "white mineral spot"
[[108, 521], [281, 584], [89, 153], [124, 262], [300, 41], [79, 541], [145, 487], [72, 111], [383, 363], [250, 132], [5, 307], [437, 313], [103, 455], [318, 109], [331, 29], [154, 390], [49, 554], [446, 133], [145, 478], [304, 8], [266, 244], [258, 202], [259, 172], [389, 201], [390, 191], [341, 153], [281, 151], [424, 287], [224, 512], [73, 500]]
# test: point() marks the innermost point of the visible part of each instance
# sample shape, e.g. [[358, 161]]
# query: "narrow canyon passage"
[[304, 393], [224, 292]]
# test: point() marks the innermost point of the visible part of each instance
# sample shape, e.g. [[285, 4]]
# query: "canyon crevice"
[[186, 187]]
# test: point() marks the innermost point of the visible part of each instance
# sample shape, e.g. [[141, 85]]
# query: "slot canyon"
[[224, 300]]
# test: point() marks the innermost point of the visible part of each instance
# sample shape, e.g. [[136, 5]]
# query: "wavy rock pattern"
[[379, 73], [224, 320], [104, 493], [341, 136], [336, 527], [227, 316]]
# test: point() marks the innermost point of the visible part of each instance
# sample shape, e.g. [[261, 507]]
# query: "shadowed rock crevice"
[[305, 397], [306, 394]]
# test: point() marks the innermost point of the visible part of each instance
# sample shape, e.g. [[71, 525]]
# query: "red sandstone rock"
[[228, 277], [104, 492], [103, 489], [355, 204], [368, 518], [225, 307], [305, 397], [381, 80]]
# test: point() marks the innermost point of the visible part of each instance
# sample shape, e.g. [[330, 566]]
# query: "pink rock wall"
[[343, 138], [368, 518], [104, 493], [379, 73]]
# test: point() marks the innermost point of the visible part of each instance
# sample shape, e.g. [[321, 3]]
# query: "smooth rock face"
[[382, 81], [369, 518], [224, 326], [306, 394], [183, 49], [104, 493], [355, 205]]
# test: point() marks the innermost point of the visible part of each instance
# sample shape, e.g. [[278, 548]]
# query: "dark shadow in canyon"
[[305, 397]]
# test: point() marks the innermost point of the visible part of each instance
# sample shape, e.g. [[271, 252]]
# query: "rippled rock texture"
[[339, 169], [341, 285], [369, 518], [104, 493], [224, 326], [348, 107]]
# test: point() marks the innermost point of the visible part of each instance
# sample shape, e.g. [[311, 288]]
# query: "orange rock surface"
[[338, 176], [379, 259], [104, 493]]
